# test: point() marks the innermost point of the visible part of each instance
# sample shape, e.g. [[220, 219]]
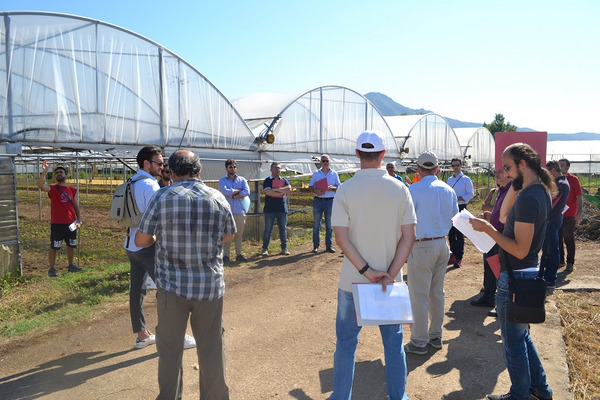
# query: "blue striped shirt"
[[189, 220]]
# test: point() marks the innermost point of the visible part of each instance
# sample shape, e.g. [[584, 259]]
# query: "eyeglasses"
[[159, 163], [506, 167], [324, 160], [455, 165], [232, 166]]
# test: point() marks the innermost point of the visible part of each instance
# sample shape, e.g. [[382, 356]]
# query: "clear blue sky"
[[536, 62]]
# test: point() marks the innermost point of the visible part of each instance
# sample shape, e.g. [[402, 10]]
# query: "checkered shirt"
[[189, 220]]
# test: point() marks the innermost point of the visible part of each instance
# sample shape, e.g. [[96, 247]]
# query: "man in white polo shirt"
[[374, 223]]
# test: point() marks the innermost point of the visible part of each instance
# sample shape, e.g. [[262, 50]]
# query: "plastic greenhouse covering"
[[478, 146], [326, 119], [73, 82], [427, 132]]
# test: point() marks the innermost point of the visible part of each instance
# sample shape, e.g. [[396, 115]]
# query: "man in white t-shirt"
[[374, 223]]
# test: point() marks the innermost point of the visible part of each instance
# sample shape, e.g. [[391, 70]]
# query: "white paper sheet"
[[373, 307], [481, 240]]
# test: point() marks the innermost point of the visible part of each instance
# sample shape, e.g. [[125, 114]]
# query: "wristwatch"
[[364, 269]]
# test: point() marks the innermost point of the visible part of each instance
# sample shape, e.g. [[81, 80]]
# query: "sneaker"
[[411, 348], [141, 343], [330, 250], [493, 313], [436, 343], [74, 268], [241, 258], [316, 250], [506, 396], [265, 253], [569, 267], [457, 263], [52, 273], [189, 342], [285, 252], [225, 259], [480, 302]]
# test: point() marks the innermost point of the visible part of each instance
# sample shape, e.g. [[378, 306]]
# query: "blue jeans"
[[522, 361], [270, 218], [345, 351], [320, 207], [551, 254]]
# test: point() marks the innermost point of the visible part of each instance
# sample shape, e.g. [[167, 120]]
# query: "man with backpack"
[[144, 183], [65, 218]]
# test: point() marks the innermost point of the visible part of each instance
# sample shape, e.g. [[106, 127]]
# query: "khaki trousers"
[[206, 320], [426, 271], [240, 223]]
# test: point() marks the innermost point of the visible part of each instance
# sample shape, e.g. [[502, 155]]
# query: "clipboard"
[[373, 307], [278, 184], [322, 185], [494, 263]]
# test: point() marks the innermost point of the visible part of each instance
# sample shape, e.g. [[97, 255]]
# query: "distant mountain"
[[573, 136], [388, 107]]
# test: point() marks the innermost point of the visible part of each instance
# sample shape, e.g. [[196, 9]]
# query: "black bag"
[[527, 300]]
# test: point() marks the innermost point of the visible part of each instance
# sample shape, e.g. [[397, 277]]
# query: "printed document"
[[481, 240], [374, 307]]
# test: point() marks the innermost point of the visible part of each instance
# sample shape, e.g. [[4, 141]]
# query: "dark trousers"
[[141, 264], [566, 234], [489, 279], [456, 239], [206, 320], [550, 255]]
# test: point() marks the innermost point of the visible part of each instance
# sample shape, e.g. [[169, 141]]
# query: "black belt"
[[324, 198], [428, 239]]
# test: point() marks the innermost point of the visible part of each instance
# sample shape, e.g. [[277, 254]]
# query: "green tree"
[[498, 125]]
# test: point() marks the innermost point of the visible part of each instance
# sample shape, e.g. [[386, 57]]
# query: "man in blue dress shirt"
[[435, 205], [323, 185], [463, 187], [235, 188]]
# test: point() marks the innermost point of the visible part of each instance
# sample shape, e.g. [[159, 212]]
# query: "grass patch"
[[36, 303]]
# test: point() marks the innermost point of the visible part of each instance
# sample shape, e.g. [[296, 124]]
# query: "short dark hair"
[[146, 154], [185, 163], [553, 165], [369, 156], [274, 164], [230, 161], [61, 167], [456, 159], [565, 161]]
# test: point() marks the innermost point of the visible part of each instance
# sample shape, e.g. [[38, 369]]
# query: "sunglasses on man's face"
[[166, 171]]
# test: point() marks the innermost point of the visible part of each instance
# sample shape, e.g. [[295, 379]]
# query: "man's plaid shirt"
[[189, 220]]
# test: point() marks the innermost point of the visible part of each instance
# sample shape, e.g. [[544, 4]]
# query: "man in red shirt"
[[571, 217], [65, 218]]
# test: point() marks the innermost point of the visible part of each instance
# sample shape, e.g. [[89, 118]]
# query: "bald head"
[[184, 164]]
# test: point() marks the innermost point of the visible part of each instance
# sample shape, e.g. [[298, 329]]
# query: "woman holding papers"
[[520, 243]]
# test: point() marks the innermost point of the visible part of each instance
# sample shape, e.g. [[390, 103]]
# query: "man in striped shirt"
[[189, 222]]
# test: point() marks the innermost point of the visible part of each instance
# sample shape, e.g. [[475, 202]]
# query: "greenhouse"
[[477, 145], [428, 132], [295, 127], [72, 83]]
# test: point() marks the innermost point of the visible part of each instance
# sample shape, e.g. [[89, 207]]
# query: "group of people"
[[380, 223]]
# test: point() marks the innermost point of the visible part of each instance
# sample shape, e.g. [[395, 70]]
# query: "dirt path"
[[280, 337]]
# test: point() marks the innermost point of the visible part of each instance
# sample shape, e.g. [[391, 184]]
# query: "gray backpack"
[[123, 208]]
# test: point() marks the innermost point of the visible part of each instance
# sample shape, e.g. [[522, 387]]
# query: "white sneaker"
[[189, 342], [140, 344]]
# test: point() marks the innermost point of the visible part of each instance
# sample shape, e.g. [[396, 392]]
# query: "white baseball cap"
[[370, 142]]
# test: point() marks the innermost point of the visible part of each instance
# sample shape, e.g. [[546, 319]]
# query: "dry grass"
[[580, 315]]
